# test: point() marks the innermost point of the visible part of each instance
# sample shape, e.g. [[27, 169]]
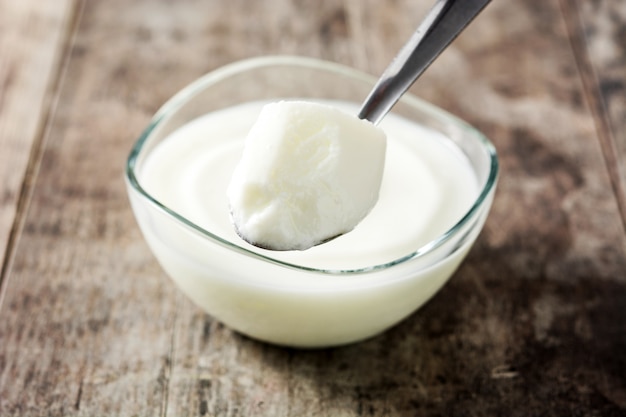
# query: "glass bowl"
[[273, 300]]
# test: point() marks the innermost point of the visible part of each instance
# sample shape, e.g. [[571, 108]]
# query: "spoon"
[[441, 26]]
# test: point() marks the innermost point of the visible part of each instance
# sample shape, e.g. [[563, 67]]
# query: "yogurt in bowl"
[[437, 187]]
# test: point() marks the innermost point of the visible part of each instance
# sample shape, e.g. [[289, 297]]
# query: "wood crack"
[[597, 107], [51, 97], [170, 359]]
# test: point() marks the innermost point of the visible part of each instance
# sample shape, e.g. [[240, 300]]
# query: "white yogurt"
[[427, 187], [309, 173]]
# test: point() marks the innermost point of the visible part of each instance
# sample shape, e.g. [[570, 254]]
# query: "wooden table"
[[533, 323]]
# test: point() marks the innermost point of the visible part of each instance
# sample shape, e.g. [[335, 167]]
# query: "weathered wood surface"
[[600, 45], [534, 322], [31, 46]]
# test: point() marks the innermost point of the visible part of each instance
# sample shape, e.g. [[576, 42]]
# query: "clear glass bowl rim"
[[221, 73]]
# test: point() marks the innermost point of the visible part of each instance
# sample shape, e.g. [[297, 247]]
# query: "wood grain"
[[601, 51], [31, 46], [532, 323]]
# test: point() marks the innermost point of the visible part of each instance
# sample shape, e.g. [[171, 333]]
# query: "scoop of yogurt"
[[308, 173]]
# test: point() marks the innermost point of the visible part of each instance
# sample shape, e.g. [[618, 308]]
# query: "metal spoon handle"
[[441, 26]]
